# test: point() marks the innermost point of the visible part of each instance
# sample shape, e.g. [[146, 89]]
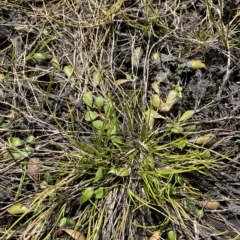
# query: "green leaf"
[[116, 139], [120, 172], [18, 208], [113, 128], [179, 71], [176, 129], [88, 99], [206, 155], [48, 178], [199, 213], [109, 109], [43, 185], [86, 195], [68, 70], [190, 207], [150, 163], [100, 192], [156, 101], [190, 128], [98, 124], [155, 87], [90, 116], [188, 114], [30, 139], [52, 194], [16, 142], [100, 174], [171, 235], [99, 102], [182, 143], [39, 57], [22, 154], [65, 222]]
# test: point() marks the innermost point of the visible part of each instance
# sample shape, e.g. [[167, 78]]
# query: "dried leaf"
[[121, 81], [212, 205], [173, 96], [136, 56], [207, 140], [156, 235], [156, 57], [74, 234], [153, 114], [33, 168], [196, 64], [97, 77], [55, 63], [2, 77], [166, 107]]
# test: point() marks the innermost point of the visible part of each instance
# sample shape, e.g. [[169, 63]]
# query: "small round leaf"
[[68, 70], [17, 209], [90, 116], [86, 195], [98, 124], [88, 99], [99, 102], [16, 142], [100, 192]]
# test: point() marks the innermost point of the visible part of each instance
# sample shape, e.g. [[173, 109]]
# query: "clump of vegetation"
[[108, 120]]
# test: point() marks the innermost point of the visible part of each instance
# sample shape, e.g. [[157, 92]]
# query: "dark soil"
[[31, 88]]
